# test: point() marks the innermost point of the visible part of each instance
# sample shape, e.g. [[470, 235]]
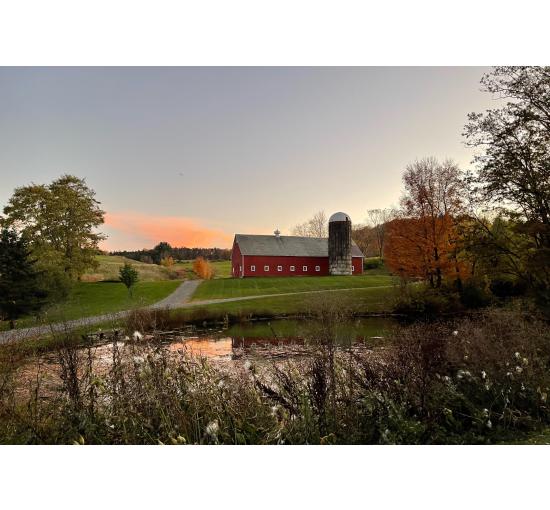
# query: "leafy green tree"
[[21, 291], [61, 220], [513, 163], [128, 276], [161, 251]]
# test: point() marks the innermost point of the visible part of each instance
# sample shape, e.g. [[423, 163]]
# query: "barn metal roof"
[[287, 246]]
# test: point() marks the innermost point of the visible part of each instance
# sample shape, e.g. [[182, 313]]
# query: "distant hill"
[[109, 266]]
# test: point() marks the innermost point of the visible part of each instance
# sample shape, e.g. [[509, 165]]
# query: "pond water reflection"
[[262, 335], [277, 339]]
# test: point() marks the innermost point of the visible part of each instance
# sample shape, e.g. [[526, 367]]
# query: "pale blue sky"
[[230, 149]]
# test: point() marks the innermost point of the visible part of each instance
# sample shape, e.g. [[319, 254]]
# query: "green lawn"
[[88, 299], [222, 268], [362, 300], [242, 287]]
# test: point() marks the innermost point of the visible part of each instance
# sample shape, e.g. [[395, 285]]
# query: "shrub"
[[128, 276], [478, 380], [503, 288], [203, 269], [373, 263], [167, 261], [426, 302], [473, 295]]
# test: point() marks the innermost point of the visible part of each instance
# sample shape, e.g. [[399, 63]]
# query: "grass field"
[[365, 300], [88, 299], [241, 287], [222, 268], [109, 266]]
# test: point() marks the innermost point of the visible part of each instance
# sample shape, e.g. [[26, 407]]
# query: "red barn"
[[276, 255]]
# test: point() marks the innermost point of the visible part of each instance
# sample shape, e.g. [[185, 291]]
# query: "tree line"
[[484, 232], [164, 252]]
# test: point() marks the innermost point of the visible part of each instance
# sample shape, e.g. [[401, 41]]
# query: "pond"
[[258, 340], [278, 335]]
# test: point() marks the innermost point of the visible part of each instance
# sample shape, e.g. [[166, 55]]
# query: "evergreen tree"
[[20, 288], [128, 276]]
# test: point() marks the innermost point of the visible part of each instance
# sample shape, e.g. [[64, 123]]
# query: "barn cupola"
[[339, 244]]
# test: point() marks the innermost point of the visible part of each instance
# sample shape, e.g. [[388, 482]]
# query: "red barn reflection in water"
[[207, 347], [220, 347]]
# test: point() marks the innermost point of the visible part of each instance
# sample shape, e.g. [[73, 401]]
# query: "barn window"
[[352, 269], [266, 268], [293, 268], [240, 269], [253, 268], [304, 268], [279, 268], [317, 268]]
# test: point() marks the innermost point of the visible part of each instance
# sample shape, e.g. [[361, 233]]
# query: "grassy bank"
[[375, 300], [89, 299], [482, 380], [242, 287], [364, 300]]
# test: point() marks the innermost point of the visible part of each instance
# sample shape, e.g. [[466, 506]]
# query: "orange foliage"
[[203, 268], [167, 261], [424, 247]]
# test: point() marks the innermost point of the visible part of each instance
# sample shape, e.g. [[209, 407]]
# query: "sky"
[[194, 155]]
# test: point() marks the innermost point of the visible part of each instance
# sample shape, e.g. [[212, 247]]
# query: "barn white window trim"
[[293, 268], [304, 269], [266, 268], [279, 268], [352, 269], [317, 268], [252, 268]]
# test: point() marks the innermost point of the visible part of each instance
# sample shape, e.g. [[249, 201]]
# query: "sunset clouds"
[[133, 230]]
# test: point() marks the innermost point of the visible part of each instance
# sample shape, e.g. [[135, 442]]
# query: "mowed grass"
[[222, 268], [242, 287], [109, 266], [361, 300], [373, 300], [89, 299]]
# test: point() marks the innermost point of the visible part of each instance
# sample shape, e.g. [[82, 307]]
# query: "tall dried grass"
[[478, 380]]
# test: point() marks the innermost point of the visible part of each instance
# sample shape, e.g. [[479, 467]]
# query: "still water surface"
[[278, 334], [259, 340]]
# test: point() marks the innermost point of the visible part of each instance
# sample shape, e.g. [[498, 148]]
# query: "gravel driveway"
[[175, 300], [180, 298]]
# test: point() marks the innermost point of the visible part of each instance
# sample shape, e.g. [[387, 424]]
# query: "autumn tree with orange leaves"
[[424, 240], [203, 268]]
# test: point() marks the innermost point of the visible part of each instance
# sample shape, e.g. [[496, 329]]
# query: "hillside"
[[109, 266]]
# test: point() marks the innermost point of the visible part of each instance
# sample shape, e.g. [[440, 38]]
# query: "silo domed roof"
[[339, 216]]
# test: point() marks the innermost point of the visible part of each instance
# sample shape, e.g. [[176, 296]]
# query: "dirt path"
[[175, 300], [180, 298], [246, 298]]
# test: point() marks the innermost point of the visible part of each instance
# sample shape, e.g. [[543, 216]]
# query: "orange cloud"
[[132, 230]]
